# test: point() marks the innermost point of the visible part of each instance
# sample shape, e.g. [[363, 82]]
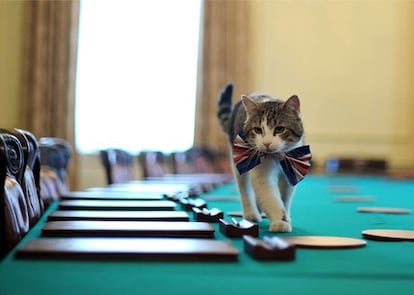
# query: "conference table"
[[324, 205]]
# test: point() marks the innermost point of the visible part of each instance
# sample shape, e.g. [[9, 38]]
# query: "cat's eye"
[[257, 130], [279, 129]]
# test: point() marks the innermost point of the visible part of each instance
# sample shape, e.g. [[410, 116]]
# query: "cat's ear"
[[249, 104], [293, 103]]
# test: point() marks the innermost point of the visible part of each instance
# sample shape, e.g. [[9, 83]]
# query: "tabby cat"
[[267, 138]]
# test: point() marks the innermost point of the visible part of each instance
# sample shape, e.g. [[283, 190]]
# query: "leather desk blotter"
[[129, 248], [176, 229], [144, 187], [88, 195], [106, 215], [116, 205]]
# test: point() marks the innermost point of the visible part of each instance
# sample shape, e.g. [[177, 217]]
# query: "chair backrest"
[[196, 160], [30, 180], [118, 165], [347, 165], [180, 163], [60, 155], [14, 217], [33, 161], [152, 163], [55, 155]]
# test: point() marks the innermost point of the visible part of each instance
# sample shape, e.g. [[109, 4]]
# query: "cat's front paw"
[[280, 226]]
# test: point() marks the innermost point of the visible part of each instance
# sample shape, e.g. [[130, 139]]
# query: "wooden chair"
[[14, 216], [55, 154], [34, 157], [64, 149], [360, 166], [30, 182], [152, 163], [180, 163], [118, 165], [203, 167], [198, 160]]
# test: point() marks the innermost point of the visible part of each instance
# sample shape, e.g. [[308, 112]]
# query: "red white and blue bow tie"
[[295, 163]]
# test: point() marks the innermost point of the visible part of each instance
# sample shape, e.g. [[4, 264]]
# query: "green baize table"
[[378, 268]]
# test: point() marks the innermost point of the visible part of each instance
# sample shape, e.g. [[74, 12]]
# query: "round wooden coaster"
[[389, 234], [343, 189], [325, 242], [354, 199], [384, 210]]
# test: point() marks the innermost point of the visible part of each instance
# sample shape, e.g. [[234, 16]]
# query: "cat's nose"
[[267, 144]]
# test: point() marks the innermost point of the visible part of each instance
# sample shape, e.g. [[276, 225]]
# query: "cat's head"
[[272, 126]]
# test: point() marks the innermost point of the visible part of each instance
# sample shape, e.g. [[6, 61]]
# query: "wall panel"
[[352, 64]]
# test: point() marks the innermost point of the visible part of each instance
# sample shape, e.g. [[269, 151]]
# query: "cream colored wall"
[[90, 172], [11, 52], [352, 64]]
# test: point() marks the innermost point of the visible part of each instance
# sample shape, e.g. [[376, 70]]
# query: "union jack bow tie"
[[295, 163]]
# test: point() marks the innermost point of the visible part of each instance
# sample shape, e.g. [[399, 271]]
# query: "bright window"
[[136, 79]]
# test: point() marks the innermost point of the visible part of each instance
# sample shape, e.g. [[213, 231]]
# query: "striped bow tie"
[[295, 163]]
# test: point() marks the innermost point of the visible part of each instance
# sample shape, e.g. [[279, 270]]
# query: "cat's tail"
[[224, 107]]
